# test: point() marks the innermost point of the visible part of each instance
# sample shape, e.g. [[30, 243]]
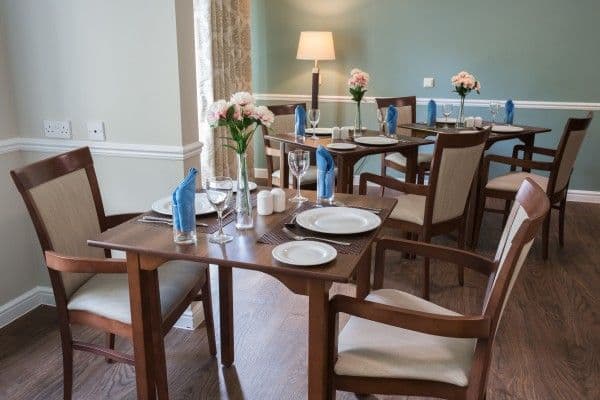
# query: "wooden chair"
[[284, 123], [63, 199], [407, 107], [397, 343], [441, 206], [556, 184]]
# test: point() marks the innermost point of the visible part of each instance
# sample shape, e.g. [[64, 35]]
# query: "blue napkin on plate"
[[391, 119], [184, 197], [431, 113], [325, 173], [510, 111], [300, 121]]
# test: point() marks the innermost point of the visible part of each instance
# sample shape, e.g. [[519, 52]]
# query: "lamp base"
[[315, 89]]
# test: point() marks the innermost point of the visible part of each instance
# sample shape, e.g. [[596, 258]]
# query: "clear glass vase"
[[243, 202], [357, 122], [460, 121]]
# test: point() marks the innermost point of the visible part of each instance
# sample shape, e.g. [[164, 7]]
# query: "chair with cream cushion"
[[63, 199], [397, 343], [556, 184], [441, 206], [406, 115]]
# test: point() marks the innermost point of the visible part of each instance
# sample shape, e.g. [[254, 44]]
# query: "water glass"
[[218, 192], [314, 114], [494, 110], [299, 162], [325, 187], [184, 223], [447, 110], [381, 122]]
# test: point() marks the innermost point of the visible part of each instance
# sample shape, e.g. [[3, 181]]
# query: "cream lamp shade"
[[315, 45]]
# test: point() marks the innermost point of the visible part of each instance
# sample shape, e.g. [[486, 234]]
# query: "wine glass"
[[381, 122], [314, 114], [218, 192], [447, 109], [299, 161], [494, 110]]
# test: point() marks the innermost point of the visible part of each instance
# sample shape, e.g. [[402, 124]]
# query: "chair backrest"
[[63, 199], [529, 209], [284, 123], [566, 153], [407, 110], [455, 163]]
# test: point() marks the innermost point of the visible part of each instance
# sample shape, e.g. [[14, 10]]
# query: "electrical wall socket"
[[428, 82], [95, 130], [57, 129]]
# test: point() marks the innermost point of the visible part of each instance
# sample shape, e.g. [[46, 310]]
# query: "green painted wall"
[[543, 50]]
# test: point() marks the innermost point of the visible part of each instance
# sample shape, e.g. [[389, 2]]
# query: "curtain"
[[223, 68]]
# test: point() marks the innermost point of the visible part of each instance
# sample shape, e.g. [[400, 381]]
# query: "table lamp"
[[315, 46]]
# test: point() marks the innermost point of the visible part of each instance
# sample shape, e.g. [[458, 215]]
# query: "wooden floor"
[[548, 345]]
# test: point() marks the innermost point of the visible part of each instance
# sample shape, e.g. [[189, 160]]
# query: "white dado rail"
[[469, 102], [148, 151]]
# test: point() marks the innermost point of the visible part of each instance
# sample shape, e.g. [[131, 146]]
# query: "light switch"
[[428, 82]]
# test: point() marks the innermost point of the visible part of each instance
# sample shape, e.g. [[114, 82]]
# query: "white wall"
[[8, 124]]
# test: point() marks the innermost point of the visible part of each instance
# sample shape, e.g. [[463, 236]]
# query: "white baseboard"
[[43, 295]]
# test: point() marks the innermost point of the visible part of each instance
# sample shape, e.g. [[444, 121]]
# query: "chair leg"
[[110, 343], [545, 235], [480, 209], [379, 269], [208, 315], [461, 245], [67, 352], [426, 272], [561, 222]]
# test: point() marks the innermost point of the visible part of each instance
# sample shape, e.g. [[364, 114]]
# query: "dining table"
[[346, 159], [148, 246]]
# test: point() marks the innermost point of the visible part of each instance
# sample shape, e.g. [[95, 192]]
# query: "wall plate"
[[58, 129]]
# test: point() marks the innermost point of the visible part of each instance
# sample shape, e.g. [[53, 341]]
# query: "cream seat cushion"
[[410, 208], [511, 182], [107, 295], [368, 348], [399, 159], [309, 177]]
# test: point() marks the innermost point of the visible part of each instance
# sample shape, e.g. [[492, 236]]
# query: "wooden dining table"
[[346, 159], [148, 246]]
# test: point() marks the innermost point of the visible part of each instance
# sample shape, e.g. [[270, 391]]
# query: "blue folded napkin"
[[184, 196], [391, 119], [300, 121], [325, 173], [510, 111], [431, 113]]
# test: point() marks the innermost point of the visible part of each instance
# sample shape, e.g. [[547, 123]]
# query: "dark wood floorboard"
[[548, 344]]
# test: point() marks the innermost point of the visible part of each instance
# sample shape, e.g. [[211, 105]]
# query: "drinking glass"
[[218, 191], [299, 161], [381, 122], [494, 109], [314, 114], [447, 110]]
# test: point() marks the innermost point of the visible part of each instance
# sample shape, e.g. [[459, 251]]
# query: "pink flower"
[[237, 111], [264, 115], [358, 79], [248, 110], [216, 111], [242, 98]]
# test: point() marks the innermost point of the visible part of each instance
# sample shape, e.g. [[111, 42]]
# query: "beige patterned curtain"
[[223, 68]]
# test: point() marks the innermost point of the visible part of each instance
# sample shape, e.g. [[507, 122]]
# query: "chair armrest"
[[110, 221], [456, 256], [459, 326], [517, 162], [536, 150], [64, 263], [388, 182]]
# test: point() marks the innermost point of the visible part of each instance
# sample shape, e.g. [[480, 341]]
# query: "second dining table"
[[148, 246]]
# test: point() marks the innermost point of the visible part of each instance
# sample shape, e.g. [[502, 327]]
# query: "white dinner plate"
[[319, 131], [376, 140], [468, 131], [506, 128], [251, 185], [341, 146], [443, 120], [203, 206], [304, 253], [338, 220]]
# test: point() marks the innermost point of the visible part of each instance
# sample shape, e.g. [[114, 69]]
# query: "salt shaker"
[[336, 133], [264, 203], [345, 132], [278, 199], [469, 122], [478, 122]]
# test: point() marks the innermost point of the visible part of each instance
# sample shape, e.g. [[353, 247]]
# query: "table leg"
[[411, 154], [528, 141], [363, 275], [318, 312], [284, 167], [142, 328], [342, 178], [158, 344], [226, 315]]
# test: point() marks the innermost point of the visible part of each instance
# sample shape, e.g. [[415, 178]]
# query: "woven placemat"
[[276, 235]]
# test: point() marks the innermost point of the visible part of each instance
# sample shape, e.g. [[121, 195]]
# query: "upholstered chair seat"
[[410, 208], [400, 160], [512, 181], [107, 295], [309, 178], [368, 348]]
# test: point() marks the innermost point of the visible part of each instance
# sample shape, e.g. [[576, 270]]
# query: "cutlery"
[[158, 221], [293, 236], [164, 219], [375, 210], [292, 222]]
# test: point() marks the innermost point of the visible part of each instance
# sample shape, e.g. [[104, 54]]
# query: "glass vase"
[[243, 202], [357, 122], [460, 121]]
